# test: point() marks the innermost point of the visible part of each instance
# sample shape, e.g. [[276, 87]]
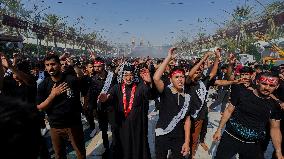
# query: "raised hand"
[[282, 105], [171, 53], [281, 76], [5, 61], [70, 62], [218, 53], [145, 75], [207, 54], [232, 59], [16, 58], [64, 56], [57, 90]]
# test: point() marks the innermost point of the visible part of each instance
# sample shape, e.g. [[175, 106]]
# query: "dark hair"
[[141, 66], [175, 68], [268, 74], [99, 59], [24, 66], [91, 62], [265, 67], [275, 69], [159, 61], [37, 64], [225, 66], [246, 69], [52, 56]]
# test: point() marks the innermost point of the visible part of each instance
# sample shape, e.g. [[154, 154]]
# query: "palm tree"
[[63, 39], [52, 21], [15, 9], [273, 8], [93, 36], [270, 11], [72, 33]]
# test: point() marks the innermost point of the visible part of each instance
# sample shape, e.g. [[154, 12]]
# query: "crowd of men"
[[61, 89]]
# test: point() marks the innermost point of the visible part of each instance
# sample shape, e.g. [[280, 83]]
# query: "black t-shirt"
[[26, 93], [280, 95], [198, 97], [170, 107], [96, 85], [280, 91], [65, 109], [85, 83], [251, 114]]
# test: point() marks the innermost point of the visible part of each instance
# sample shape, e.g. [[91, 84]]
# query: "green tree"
[[269, 12], [52, 21], [14, 8], [73, 33]]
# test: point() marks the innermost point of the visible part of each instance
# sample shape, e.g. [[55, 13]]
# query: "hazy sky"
[[157, 21]]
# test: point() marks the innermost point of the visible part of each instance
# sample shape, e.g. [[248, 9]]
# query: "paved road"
[[95, 148]]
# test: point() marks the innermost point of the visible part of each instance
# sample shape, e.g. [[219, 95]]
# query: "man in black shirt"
[[101, 82], [280, 95], [20, 84], [59, 96], [173, 126], [246, 117], [85, 83], [223, 91], [199, 86]]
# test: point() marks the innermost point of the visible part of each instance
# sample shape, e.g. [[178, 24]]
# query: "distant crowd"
[[55, 93]]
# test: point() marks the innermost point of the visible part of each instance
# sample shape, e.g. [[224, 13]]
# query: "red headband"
[[98, 62], [269, 80], [176, 72]]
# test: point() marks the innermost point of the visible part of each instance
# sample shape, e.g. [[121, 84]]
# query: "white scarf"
[[201, 92], [107, 83], [120, 73]]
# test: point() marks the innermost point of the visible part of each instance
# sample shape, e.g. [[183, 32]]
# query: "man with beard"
[[69, 66], [279, 93], [173, 126], [59, 96], [246, 117], [223, 92], [23, 86], [85, 84], [128, 102], [101, 82]]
